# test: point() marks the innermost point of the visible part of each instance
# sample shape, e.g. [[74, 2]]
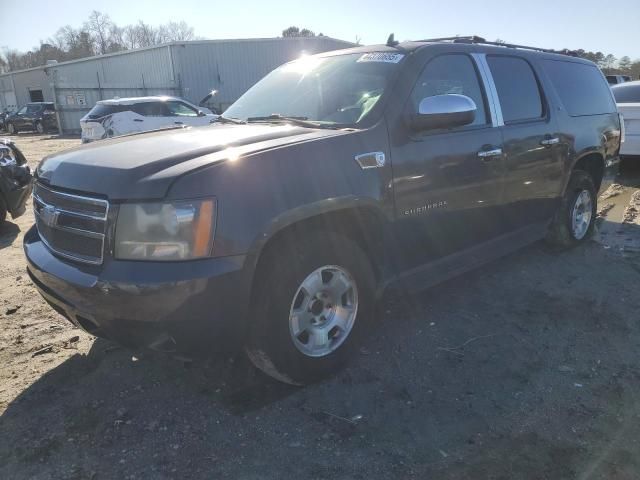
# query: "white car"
[[119, 116], [628, 100]]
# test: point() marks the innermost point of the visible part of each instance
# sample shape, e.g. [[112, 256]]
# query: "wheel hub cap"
[[323, 311], [581, 215]]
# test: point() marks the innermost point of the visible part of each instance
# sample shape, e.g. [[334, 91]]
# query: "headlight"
[[165, 231]]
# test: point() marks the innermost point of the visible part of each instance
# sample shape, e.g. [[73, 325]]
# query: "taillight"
[[623, 130]]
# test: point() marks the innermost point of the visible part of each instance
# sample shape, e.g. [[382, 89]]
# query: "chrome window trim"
[[490, 88], [86, 233]]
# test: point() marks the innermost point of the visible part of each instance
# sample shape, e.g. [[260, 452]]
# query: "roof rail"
[[480, 40]]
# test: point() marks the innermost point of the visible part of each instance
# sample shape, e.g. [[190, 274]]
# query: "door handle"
[[179, 123], [550, 141], [138, 120], [489, 154]]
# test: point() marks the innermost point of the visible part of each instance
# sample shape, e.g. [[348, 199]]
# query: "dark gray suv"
[[276, 228]]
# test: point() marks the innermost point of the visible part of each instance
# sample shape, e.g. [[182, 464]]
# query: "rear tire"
[[304, 328], [575, 218]]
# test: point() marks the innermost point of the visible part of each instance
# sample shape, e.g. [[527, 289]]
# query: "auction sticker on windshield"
[[381, 57]]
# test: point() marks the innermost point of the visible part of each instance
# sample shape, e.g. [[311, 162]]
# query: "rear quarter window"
[[582, 88]]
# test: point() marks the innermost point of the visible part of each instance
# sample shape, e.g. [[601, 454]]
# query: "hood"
[[143, 166]]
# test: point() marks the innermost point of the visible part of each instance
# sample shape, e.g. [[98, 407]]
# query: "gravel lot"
[[525, 369]]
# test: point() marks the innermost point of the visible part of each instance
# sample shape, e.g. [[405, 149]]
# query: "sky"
[[588, 24]]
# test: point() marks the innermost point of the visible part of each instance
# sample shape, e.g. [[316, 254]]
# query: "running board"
[[443, 269]]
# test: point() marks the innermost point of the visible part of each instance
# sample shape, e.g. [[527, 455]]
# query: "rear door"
[[533, 152], [447, 183]]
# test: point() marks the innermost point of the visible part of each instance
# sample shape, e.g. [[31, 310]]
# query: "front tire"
[[11, 129], [39, 127], [313, 302], [575, 218]]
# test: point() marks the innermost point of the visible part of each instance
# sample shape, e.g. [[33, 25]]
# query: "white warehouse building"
[[185, 69]]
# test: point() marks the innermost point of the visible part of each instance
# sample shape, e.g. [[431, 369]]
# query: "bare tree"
[[146, 35], [175, 32], [99, 25]]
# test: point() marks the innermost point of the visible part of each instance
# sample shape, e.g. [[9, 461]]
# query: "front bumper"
[[190, 307]]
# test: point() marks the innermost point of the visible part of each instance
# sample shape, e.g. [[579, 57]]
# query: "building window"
[[36, 96]]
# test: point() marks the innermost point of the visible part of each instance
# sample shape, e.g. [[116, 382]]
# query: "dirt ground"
[[524, 369]]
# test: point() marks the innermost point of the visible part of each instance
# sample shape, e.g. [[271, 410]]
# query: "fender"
[[306, 212]]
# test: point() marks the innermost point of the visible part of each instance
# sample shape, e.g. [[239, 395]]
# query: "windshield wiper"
[[298, 121], [222, 119]]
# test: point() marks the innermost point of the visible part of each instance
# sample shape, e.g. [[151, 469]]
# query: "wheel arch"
[[593, 164], [359, 219]]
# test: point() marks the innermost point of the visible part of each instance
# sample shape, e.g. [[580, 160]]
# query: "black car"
[[277, 227], [15, 180], [35, 116]]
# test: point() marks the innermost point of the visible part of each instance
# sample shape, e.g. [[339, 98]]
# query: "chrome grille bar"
[[72, 226]]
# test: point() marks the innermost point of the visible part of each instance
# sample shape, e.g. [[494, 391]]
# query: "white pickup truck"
[[628, 101]]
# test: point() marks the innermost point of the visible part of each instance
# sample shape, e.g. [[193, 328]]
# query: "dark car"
[[3, 115], [617, 79], [36, 116], [277, 227], [15, 180]]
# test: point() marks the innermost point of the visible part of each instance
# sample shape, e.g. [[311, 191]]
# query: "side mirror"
[[444, 111], [201, 113]]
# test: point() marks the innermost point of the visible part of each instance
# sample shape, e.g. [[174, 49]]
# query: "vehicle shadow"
[[8, 233], [487, 375]]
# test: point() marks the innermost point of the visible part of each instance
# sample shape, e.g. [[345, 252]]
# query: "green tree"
[[624, 63], [294, 31]]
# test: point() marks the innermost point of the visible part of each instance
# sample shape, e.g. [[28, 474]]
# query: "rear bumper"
[[188, 307]]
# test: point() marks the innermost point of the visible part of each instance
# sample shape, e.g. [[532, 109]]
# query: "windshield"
[[338, 90]]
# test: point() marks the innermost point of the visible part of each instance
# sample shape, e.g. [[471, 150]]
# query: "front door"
[[447, 184], [531, 143]]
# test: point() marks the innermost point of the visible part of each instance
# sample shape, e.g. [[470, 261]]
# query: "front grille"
[[72, 226]]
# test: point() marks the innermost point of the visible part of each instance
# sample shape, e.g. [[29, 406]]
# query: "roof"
[[633, 83], [134, 100], [472, 43]]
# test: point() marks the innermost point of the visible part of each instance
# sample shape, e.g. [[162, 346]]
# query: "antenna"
[[391, 42]]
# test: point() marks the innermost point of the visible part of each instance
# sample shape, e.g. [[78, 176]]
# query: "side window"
[[180, 109], [517, 88], [149, 109], [581, 88], [448, 74], [49, 108]]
